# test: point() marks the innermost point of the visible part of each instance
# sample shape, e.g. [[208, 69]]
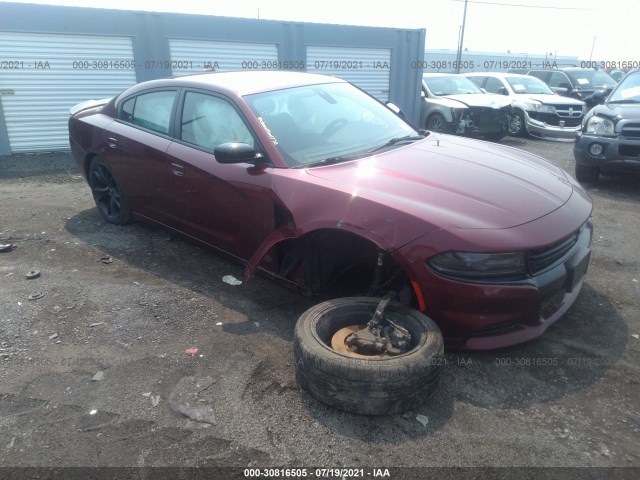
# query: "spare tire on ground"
[[369, 384]]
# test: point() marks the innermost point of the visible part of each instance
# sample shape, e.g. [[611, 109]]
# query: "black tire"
[[373, 385], [587, 174], [437, 123], [517, 127], [107, 193]]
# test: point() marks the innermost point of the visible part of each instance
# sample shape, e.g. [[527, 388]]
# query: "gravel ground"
[[95, 373]]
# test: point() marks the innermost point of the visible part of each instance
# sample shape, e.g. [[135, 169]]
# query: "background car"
[[579, 83], [317, 184], [609, 140], [454, 104], [537, 109]]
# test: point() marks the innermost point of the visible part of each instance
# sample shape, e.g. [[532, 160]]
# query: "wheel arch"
[[89, 157], [443, 112], [329, 254]]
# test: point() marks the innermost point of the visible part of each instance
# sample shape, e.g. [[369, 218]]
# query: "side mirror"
[[235, 152], [395, 109]]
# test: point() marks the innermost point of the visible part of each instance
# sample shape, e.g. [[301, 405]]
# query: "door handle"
[[112, 142], [177, 169]]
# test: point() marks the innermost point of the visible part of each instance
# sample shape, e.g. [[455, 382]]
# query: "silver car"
[[454, 104], [537, 109]]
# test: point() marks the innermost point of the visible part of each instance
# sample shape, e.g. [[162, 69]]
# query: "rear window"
[[149, 110]]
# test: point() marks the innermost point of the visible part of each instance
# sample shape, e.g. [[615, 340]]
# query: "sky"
[[589, 29]]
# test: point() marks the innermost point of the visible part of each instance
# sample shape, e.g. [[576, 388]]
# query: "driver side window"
[[208, 121]]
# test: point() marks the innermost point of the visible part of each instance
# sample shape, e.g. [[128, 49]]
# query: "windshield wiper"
[[393, 141], [340, 159], [331, 160]]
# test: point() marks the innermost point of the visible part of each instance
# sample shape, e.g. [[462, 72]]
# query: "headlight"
[[538, 107], [545, 108], [600, 126], [480, 265]]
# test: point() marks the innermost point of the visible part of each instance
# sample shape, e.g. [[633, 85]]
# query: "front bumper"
[[543, 129], [619, 154], [479, 316]]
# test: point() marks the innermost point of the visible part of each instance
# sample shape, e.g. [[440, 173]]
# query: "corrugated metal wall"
[[54, 73], [34, 102], [193, 56], [368, 68]]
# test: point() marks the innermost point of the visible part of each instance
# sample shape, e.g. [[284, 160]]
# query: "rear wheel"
[[360, 381], [107, 193]]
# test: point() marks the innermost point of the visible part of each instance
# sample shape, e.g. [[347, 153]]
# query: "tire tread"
[[383, 387]]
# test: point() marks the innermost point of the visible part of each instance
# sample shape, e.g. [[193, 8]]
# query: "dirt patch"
[[569, 398]]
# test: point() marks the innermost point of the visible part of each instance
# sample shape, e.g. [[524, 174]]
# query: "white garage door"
[[46, 74], [368, 68], [195, 56]]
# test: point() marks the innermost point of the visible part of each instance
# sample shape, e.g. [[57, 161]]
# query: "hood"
[[549, 99], [628, 111], [479, 100], [451, 181]]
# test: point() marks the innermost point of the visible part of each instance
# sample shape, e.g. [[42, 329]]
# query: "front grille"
[[554, 120], [497, 329], [631, 130], [539, 260], [568, 111], [629, 150], [552, 304]]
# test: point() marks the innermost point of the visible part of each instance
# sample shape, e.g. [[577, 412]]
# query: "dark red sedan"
[[312, 181]]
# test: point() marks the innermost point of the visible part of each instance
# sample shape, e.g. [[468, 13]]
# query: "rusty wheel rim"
[[339, 345]]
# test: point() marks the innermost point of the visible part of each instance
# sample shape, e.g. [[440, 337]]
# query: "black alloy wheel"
[[107, 193]]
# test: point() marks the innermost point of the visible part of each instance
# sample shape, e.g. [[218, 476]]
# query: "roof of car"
[[495, 74], [439, 74], [242, 82], [561, 69]]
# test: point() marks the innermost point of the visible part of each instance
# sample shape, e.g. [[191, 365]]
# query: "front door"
[[226, 205]]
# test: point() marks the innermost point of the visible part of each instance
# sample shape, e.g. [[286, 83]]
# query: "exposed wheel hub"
[[380, 337]]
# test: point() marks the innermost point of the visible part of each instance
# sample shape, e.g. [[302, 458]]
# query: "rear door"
[[136, 145]]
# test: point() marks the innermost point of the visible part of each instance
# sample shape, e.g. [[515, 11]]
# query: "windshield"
[[451, 85], [328, 121], [529, 85], [590, 78], [628, 90]]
